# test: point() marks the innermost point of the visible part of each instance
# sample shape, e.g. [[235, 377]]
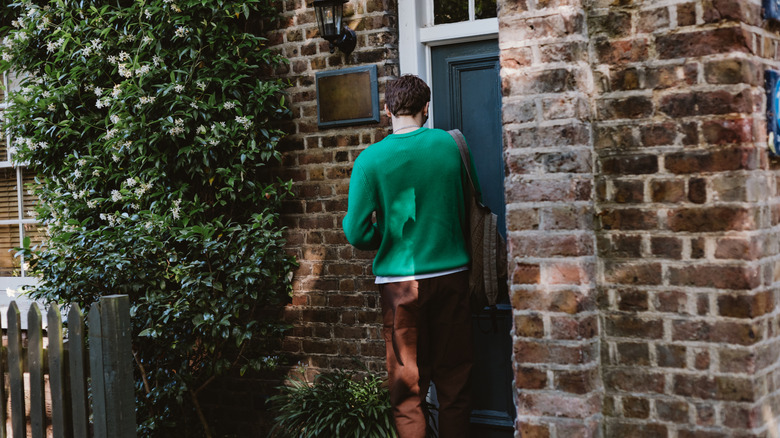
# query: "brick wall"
[[335, 307], [641, 204], [686, 234], [550, 209], [660, 105]]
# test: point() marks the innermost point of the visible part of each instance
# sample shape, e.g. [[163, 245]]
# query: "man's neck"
[[406, 124]]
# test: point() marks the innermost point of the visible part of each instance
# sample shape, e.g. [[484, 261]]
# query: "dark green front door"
[[467, 96]]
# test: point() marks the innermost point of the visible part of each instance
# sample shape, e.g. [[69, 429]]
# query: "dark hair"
[[407, 95]]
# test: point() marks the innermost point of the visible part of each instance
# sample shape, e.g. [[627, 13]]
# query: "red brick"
[[702, 103], [525, 273], [711, 219], [736, 249], [634, 380], [635, 430], [576, 382], [570, 327], [671, 356], [745, 306], [732, 71], [539, 82], [529, 326], [633, 300], [628, 219], [674, 411], [723, 388], [715, 276], [528, 430], [557, 245], [686, 14], [703, 42], [615, 24], [628, 192], [726, 332], [731, 131], [529, 351], [653, 20], [625, 326], [633, 273], [635, 407], [667, 190], [632, 107], [697, 190], [614, 137], [617, 52], [671, 76], [552, 404], [530, 378], [566, 301], [717, 11], [666, 247], [671, 301], [620, 246], [630, 164], [573, 51], [633, 354]]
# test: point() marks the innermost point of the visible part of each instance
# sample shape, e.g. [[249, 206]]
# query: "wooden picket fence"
[[105, 373]]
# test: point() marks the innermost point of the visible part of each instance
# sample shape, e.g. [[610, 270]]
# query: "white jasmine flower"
[[157, 61], [111, 133], [201, 129], [116, 91], [115, 157], [130, 182], [113, 59], [178, 88], [98, 91], [51, 107], [146, 39], [92, 203], [81, 162], [228, 105], [194, 104], [243, 121], [144, 69], [201, 85], [116, 195], [123, 55]]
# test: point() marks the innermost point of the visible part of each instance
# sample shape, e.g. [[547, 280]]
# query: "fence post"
[[111, 352], [35, 361], [60, 400], [78, 376], [15, 373]]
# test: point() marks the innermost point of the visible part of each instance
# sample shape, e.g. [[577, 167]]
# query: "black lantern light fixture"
[[329, 14]]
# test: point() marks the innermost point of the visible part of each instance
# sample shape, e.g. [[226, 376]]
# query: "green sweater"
[[415, 184]]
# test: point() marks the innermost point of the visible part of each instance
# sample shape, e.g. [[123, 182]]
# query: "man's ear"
[[387, 111], [425, 108]]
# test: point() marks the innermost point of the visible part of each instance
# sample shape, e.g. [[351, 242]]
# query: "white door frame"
[[417, 34]]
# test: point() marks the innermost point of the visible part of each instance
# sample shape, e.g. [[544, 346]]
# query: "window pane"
[[3, 146], [9, 239], [485, 9], [28, 197], [8, 196], [450, 11], [36, 233]]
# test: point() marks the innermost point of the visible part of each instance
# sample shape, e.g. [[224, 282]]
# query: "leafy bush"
[[149, 125], [335, 404]]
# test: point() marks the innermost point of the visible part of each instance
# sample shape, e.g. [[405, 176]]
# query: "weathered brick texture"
[[549, 193], [642, 212], [686, 240], [334, 310]]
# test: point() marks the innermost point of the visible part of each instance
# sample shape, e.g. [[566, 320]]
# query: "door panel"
[[467, 96]]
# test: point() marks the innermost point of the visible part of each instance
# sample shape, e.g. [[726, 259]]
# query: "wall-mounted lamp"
[[329, 14]]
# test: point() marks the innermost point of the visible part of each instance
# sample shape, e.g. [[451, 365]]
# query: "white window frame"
[[417, 34], [10, 287]]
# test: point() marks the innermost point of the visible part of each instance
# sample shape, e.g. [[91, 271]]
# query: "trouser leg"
[[400, 309], [452, 353]]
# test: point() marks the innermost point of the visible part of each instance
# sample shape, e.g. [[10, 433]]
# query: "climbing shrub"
[[149, 125]]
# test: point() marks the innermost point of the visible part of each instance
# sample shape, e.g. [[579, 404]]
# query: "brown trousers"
[[427, 331]]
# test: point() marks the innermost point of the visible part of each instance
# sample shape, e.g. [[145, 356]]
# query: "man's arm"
[[358, 226]]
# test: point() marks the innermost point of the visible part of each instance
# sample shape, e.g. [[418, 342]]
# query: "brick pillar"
[[688, 213], [546, 85]]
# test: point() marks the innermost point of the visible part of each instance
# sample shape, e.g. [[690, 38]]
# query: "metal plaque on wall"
[[348, 96]]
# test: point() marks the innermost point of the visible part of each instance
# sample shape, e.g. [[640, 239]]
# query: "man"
[[412, 183]]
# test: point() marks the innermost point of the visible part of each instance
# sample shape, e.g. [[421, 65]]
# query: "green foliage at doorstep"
[[335, 404], [149, 124]]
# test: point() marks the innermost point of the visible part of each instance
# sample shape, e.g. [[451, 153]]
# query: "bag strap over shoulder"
[[464, 154]]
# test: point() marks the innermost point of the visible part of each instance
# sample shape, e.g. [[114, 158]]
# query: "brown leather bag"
[[488, 270]]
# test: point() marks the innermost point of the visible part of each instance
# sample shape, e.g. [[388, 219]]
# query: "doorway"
[[466, 91]]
